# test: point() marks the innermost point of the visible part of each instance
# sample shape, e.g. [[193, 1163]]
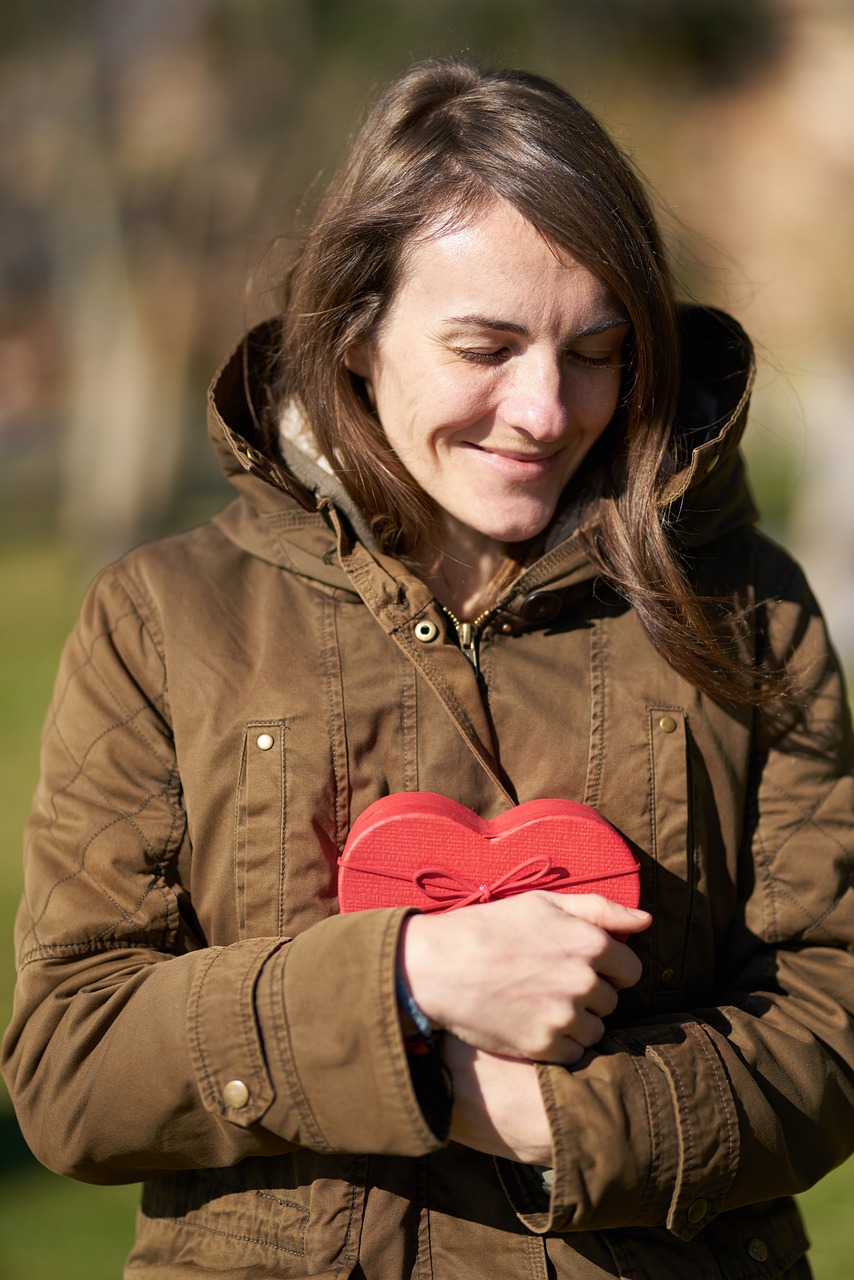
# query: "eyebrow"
[[508, 326]]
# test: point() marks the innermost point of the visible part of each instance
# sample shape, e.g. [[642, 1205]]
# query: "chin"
[[510, 531]]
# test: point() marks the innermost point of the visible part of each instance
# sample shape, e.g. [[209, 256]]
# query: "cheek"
[[449, 405], [595, 404]]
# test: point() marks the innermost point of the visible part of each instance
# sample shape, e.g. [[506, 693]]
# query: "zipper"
[[469, 633]]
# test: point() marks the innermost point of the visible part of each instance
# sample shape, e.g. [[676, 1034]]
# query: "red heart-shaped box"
[[423, 850]]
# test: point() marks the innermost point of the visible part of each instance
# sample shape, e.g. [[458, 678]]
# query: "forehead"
[[497, 256]]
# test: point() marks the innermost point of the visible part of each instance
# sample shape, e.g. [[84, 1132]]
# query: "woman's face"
[[496, 369]]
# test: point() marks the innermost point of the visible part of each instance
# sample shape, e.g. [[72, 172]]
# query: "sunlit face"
[[496, 369]]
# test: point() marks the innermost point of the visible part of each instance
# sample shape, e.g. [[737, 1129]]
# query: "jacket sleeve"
[[671, 1122], [133, 1048]]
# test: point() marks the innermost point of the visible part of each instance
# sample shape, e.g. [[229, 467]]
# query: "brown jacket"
[[191, 1011]]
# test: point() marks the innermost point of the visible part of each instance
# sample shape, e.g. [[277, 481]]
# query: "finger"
[[564, 1052], [608, 915], [618, 965], [602, 1000]]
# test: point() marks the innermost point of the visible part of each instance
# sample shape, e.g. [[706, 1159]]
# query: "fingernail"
[[637, 911]]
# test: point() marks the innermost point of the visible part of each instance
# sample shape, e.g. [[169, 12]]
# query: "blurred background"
[[153, 156]]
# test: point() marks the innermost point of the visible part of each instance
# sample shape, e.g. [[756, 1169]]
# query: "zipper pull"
[[469, 634]]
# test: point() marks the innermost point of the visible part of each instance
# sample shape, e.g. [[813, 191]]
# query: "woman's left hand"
[[498, 1107]]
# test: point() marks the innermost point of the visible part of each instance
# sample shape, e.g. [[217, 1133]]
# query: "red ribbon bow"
[[448, 890]]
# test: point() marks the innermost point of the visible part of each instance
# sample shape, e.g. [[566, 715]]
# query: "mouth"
[[518, 462]]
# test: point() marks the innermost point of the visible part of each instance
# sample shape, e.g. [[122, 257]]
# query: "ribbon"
[[449, 891]]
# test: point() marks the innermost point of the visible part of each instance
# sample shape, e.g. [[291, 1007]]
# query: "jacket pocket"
[[259, 833], [268, 1216], [760, 1242], [671, 847]]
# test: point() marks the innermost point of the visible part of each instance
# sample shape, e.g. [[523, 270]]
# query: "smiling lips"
[[516, 460]]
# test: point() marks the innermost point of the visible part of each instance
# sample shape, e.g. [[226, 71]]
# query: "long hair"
[[444, 141]]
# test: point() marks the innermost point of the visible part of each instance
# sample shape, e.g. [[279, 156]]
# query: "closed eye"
[[484, 357], [610, 361]]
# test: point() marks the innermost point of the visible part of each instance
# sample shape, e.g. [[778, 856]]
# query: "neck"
[[464, 579]]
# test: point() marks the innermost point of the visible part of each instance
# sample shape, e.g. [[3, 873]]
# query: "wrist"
[[413, 1019], [416, 968]]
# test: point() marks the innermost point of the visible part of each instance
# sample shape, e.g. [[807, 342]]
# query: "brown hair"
[[444, 141]]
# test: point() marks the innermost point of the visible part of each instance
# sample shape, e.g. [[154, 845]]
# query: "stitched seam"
[[653, 1129], [168, 792], [689, 1158], [234, 1235], [653, 845], [534, 1247], [195, 1025], [208, 1176], [808, 816], [384, 962], [128, 716], [360, 574], [283, 823], [779, 891], [346, 1256], [331, 654], [306, 1110], [143, 604], [169, 846], [249, 1029], [709, 1055], [553, 1114], [409, 726], [596, 761], [239, 876], [424, 1246], [459, 716]]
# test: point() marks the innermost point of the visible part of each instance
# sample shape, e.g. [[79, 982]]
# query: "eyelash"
[[577, 357]]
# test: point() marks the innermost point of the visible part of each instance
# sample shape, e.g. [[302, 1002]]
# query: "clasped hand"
[[527, 977]]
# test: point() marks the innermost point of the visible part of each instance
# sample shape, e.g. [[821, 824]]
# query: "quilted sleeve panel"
[[107, 818]]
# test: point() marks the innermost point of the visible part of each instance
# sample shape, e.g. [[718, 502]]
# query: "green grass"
[[50, 1226]]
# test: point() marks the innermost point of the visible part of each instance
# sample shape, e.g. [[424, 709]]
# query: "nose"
[[535, 400]]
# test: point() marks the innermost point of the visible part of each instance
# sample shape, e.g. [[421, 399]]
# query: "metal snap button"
[[697, 1211], [757, 1249], [667, 976], [235, 1095], [541, 606], [667, 724], [425, 631], [265, 741]]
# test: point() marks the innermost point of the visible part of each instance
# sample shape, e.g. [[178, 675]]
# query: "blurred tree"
[[149, 151]]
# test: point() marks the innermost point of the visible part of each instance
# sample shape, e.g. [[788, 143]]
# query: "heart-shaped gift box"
[[419, 849]]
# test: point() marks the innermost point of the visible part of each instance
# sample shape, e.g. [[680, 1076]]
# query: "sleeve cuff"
[[644, 1132], [226, 1046], [331, 1030]]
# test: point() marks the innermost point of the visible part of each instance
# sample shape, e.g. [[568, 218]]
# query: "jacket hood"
[[295, 500]]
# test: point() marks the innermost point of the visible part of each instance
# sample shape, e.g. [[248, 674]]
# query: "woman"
[[493, 541]]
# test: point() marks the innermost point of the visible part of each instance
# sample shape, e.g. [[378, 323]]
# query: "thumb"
[[605, 913]]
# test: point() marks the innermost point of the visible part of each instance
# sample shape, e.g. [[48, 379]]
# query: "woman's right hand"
[[527, 977]]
